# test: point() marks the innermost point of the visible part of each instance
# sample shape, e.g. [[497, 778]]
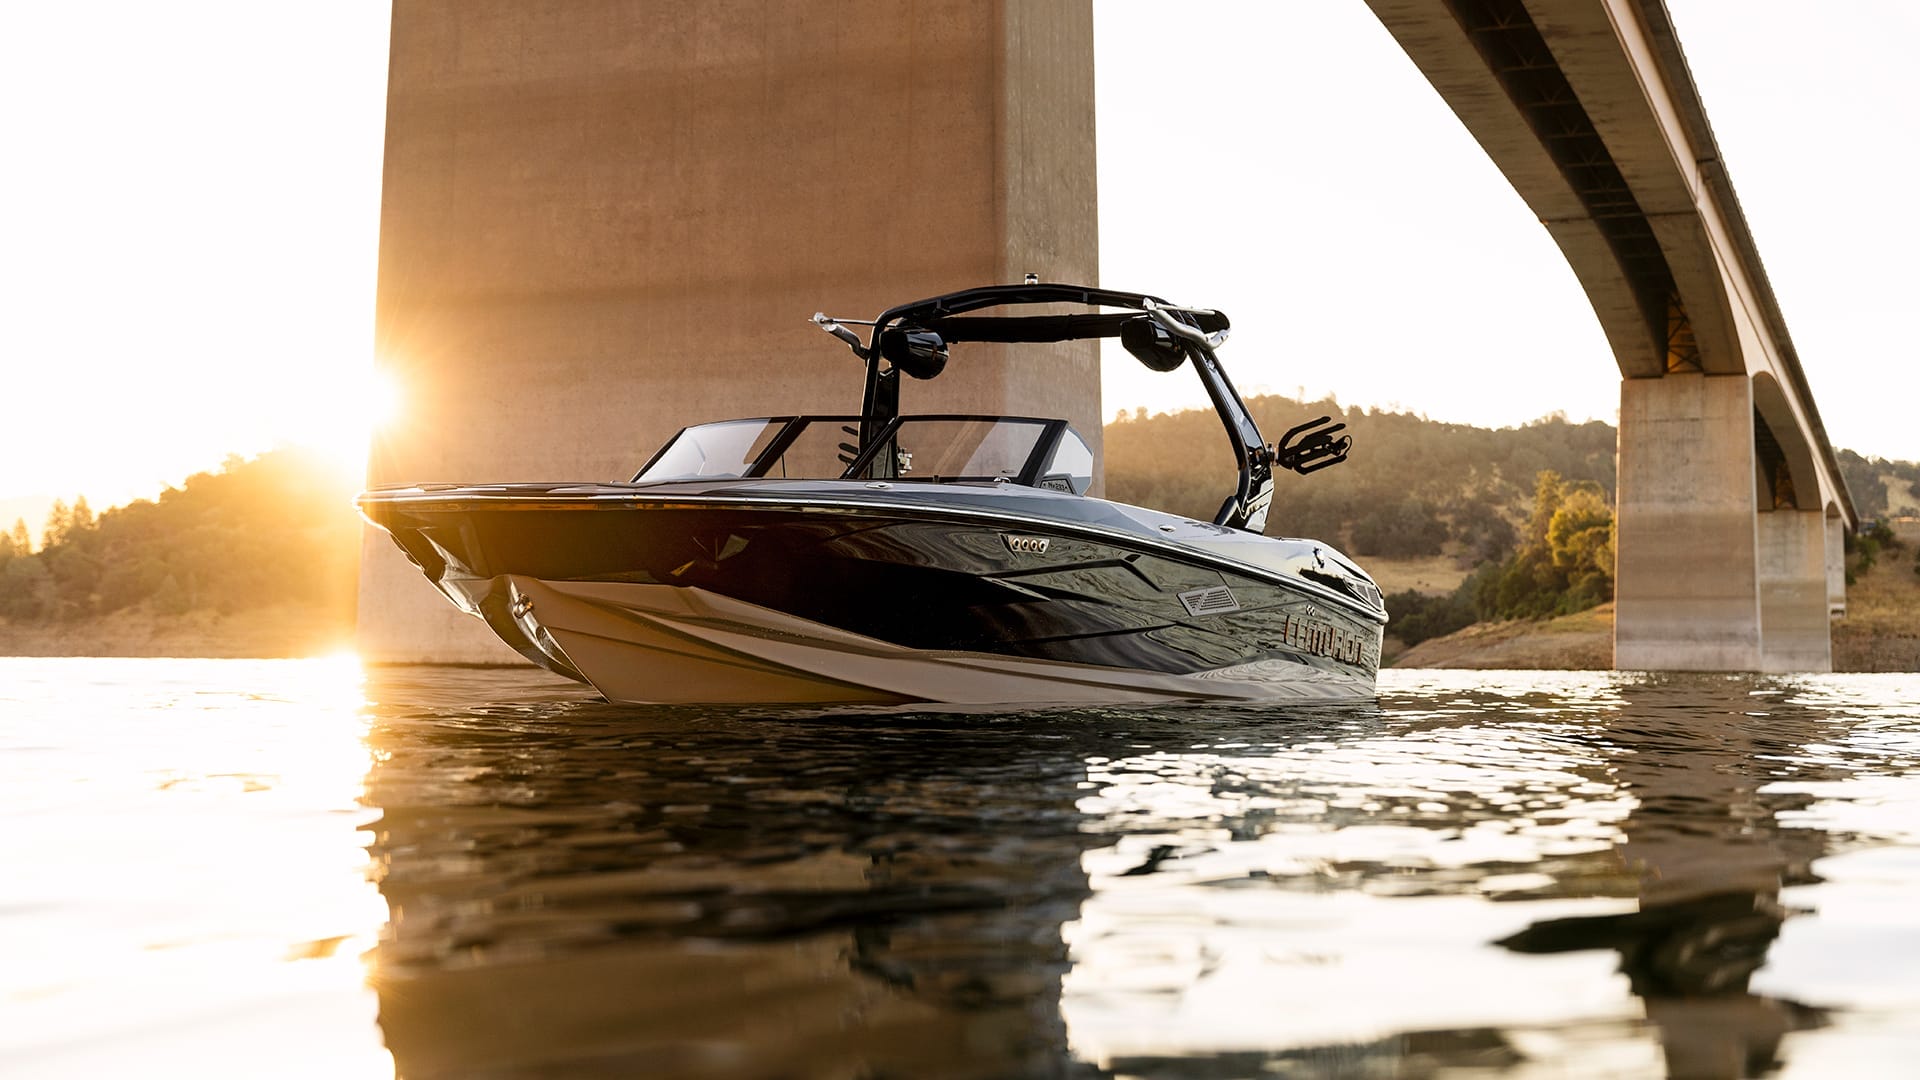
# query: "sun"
[[341, 414], [384, 399]]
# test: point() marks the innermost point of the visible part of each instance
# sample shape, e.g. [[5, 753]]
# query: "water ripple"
[[1568, 874]]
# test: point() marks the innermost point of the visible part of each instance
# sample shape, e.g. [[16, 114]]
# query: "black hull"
[[925, 581]]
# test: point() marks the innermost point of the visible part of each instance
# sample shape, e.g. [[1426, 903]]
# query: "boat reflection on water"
[[1456, 877], [668, 893]]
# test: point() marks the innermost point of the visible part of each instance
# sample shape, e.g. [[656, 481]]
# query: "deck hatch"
[[1216, 600]]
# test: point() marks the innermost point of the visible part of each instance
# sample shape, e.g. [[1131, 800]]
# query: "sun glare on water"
[[200, 899]]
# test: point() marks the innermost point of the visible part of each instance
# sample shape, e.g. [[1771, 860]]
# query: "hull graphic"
[[672, 644]]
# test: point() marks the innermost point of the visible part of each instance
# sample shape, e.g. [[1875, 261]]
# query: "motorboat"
[[890, 558]]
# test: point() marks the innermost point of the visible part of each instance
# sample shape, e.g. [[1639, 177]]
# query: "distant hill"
[[273, 539], [1881, 488], [1412, 487]]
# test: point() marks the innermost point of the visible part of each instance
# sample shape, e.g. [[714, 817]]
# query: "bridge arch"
[[1785, 476], [1725, 551]]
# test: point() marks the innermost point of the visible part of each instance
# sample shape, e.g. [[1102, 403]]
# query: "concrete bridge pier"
[[1836, 563], [1687, 562], [1717, 569], [1794, 631]]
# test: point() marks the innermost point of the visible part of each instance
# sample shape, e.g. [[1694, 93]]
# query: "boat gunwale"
[[454, 501]]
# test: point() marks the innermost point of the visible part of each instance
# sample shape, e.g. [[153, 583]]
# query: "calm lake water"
[[297, 868]]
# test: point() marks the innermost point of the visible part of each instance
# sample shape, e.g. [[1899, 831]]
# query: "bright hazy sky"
[[187, 245]]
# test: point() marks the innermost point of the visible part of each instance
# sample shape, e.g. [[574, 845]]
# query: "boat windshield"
[[975, 448], [928, 449], [728, 448], [781, 447], [821, 448]]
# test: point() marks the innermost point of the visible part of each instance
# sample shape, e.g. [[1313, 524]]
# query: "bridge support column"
[[1687, 581], [603, 220], [1794, 634], [1836, 565]]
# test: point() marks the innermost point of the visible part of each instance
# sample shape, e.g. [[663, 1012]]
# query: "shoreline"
[[1880, 633], [269, 633]]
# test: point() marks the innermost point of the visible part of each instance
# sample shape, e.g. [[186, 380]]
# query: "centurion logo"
[[1025, 545], [1317, 636]]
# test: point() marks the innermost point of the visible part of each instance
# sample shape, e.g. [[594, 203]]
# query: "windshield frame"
[[863, 467], [864, 464], [790, 428]]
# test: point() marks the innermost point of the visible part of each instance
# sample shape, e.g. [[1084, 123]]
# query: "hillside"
[[1412, 488], [1880, 632], [1582, 641], [257, 559]]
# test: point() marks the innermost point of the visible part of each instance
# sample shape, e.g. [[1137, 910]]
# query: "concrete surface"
[[1687, 585], [605, 219], [1836, 566], [1794, 626]]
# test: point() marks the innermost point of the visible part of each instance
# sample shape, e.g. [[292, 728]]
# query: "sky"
[[1365, 246], [187, 259], [187, 241]]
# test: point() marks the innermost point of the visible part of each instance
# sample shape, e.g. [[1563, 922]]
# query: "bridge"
[[1731, 505], [599, 226]]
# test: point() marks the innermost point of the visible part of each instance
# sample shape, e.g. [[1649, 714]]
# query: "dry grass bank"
[[1881, 630], [1578, 642], [259, 633]]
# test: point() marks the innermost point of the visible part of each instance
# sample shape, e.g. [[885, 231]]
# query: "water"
[[292, 868]]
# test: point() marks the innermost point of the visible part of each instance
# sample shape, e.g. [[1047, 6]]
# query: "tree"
[[1863, 548], [1485, 535], [170, 598], [1565, 561], [1580, 541], [26, 590], [1413, 617], [1580, 534], [1401, 529], [75, 574], [206, 537], [59, 519]]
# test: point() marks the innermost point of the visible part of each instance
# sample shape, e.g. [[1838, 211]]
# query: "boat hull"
[[669, 644], [699, 601]]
